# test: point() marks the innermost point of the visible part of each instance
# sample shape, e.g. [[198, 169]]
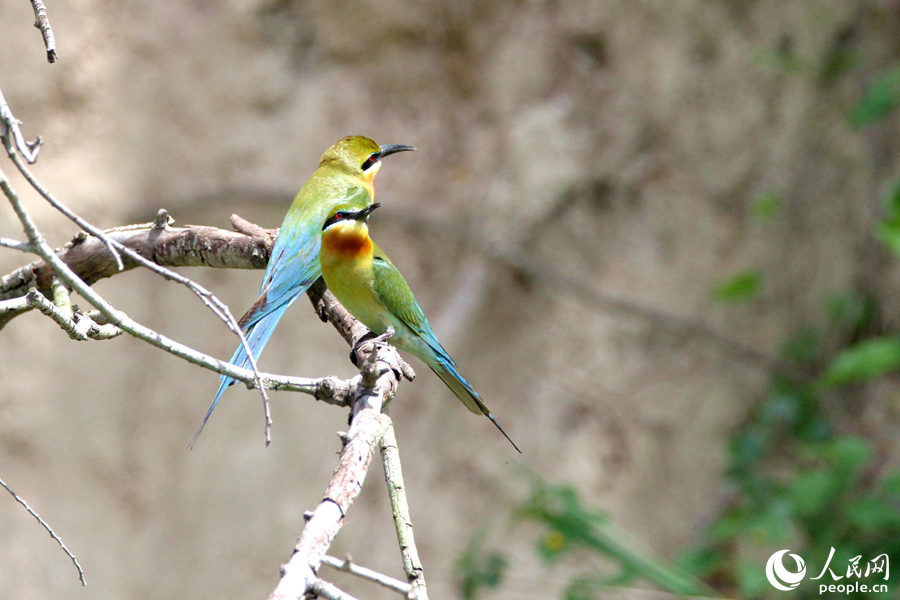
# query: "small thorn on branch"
[[370, 370], [163, 219]]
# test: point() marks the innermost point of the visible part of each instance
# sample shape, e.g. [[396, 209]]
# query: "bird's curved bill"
[[364, 213], [389, 149]]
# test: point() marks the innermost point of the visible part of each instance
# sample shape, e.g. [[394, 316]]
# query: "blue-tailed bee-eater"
[[367, 284], [344, 181]]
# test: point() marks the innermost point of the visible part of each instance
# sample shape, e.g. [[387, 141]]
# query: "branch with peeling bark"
[[190, 246]]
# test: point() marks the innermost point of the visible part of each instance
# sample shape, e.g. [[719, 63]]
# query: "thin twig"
[[348, 566], [188, 246], [42, 23], [15, 305], [328, 389], [45, 193], [393, 475], [15, 244], [78, 326], [10, 124], [219, 308], [329, 591], [49, 530]]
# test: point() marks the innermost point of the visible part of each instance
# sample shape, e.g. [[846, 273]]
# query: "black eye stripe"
[[373, 158], [338, 216]]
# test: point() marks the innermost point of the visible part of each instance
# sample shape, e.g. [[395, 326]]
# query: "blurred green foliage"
[[740, 287], [879, 100], [798, 480], [477, 568], [888, 230], [799, 476], [570, 525], [765, 207]]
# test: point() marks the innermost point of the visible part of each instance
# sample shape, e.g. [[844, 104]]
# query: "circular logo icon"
[[776, 573]]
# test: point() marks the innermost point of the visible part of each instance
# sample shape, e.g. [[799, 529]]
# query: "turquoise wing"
[[293, 267], [394, 294]]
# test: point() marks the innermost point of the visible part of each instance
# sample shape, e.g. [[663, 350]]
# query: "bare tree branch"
[[329, 389], [9, 124], [48, 528], [348, 566], [393, 475], [218, 307], [299, 575], [15, 244], [42, 23], [381, 371], [76, 324], [190, 246], [323, 589]]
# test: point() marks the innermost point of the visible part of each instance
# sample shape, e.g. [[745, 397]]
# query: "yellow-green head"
[[360, 156]]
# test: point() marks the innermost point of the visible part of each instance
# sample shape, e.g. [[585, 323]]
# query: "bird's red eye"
[[370, 161]]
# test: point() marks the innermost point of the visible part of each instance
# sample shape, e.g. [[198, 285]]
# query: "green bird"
[[366, 283], [344, 181]]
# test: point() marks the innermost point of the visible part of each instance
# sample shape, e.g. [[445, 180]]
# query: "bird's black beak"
[[364, 213], [389, 149]]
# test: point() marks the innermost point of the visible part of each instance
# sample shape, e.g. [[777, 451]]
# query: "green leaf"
[[882, 97], [752, 580], [740, 287], [867, 360], [893, 201], [765, 207], [891, 484], [848, 454], [811, 491], [477, 568], [749, 447], [804, 347], [889, 235], [851, 312], [873, 515], [888, 230]]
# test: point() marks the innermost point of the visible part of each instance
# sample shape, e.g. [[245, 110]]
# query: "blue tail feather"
[[444, 367], [257, 337]]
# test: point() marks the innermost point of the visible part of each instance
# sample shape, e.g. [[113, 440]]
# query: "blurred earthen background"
[[586, 174]]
